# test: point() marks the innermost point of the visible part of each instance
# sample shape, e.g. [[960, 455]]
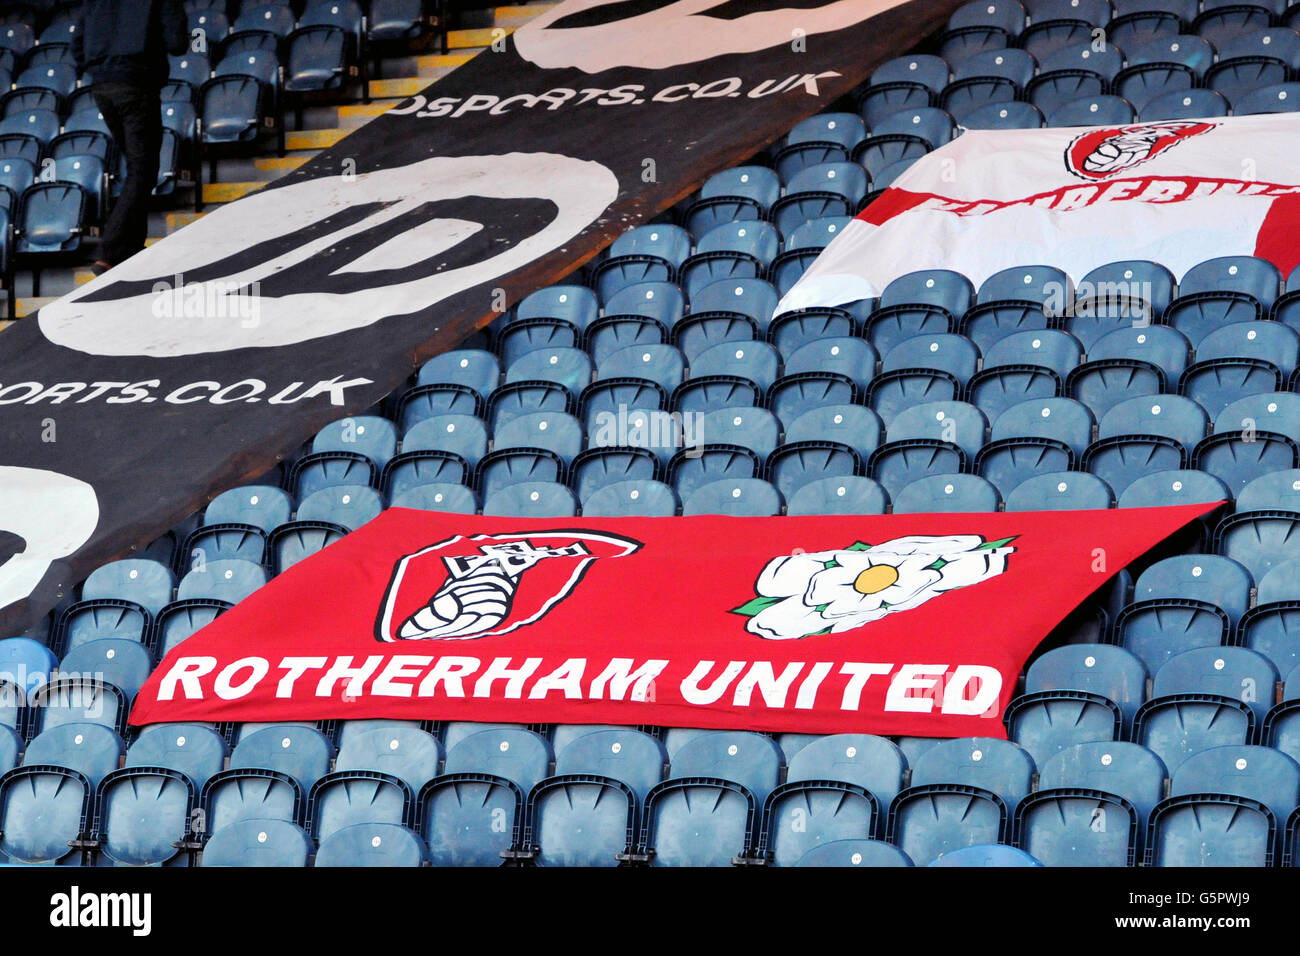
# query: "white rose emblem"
[[826, 592]]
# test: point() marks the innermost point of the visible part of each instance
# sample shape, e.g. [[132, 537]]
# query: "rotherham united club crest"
[[488, 584], [1101, 153]]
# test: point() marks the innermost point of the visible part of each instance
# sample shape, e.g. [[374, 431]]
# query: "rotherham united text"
[[961, 689]]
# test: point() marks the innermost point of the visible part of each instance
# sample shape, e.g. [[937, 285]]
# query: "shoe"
[[99, 267]]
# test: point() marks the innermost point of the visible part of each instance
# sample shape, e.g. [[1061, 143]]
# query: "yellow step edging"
[[473, 39], [363, 110], [438, 61], [398, 88], [314, 138], [271, 164], [179, 220], [529, 10], [82, 276], [228, 192]]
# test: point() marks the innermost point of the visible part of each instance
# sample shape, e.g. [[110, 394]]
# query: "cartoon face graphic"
[[1102, 153], [489, 584], [826, 592]]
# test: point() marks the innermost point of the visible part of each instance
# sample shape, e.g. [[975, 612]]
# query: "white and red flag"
[[1177, 192]]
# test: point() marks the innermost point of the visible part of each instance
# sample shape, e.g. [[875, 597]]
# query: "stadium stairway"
[[322, 127]]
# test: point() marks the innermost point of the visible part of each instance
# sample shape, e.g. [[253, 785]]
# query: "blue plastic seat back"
[[196, 751], [1172, 488], [1113, 672], [853, 425], [1260, 773], [143, 581], [1125, 769], [629, 756], [226, 580], [1256, 277], [301, 752], [847, 853], [122, 662], [368, 435], [1173, 416], [1062, 419], [670, 243], [754, 182], [928, 823], [475, 368], [953, 354], [988, 854], [1030, 283], [1210, 831], [90, 749], [952, 493], [141, 814], [1049, 348], [262, 506], [581, 821], [751, 760], [1177, 727], [1201, 577], [873, 763], [662, 301], [942, 287], [371, 844], [1237, 673], [985, 762], [276, 843], [847, 495], [958, 423], [1277, 412], [520, 756], [926, 69], [698, 824], [407, 753], [1060, 491], [348, 505]]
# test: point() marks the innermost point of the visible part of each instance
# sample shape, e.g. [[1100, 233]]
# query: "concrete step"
[[277, 166], [27, 306]]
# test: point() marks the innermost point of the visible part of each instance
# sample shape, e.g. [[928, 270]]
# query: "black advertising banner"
[[205, 359]]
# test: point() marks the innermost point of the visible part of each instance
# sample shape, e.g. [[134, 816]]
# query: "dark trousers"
[[134, 117]]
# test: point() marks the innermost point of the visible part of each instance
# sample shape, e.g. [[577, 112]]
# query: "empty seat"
[[1239, 459], [1233, 672], [1173, 487], [1111, 672], [1171, 416], [1158, 628], [277, 843], [1060, 491], [1078, 828], [738, 496], [1103, 110], [845, 853], [849, 495], [1181, 725]]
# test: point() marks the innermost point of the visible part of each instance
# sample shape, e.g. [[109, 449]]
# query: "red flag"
[[893, 624]]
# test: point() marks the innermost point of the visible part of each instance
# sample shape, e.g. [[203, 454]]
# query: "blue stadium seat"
[[121, 662], [1205, 577], [630, 756], [1158, 628], [349, 506], [758, 361], [1121, 460], [936, 494], [580, 820], [890, 325], [845, 853], [1233, 672], [372, 844], [1015, 115], [1276, 412], [752, 497], [271, 771], [697, 821], [275, 843], [1012, 64], [261, 506], [1046, 722], [1173, 487], [374, 780], [1257, 773], [699, 465], [92, 750], [953, 354], [1277, 98], [142, 813], [1126, 770], [1132, 28], [1177, 727], [531, 499], [930, 71], [194, 750], [1061, 419], [1171, 416], [1259, 540], [1210, 830], [1238, 458], [1078, 828], [1105, 110], [931, 124], [230, 580], [1060, 491], [752, 760], [1105, 62], [962, 97], [475, 810], [843, 496], [1111, 672], [1007, 15]]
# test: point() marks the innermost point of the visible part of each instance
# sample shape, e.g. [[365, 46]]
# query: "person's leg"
[[136, 125]]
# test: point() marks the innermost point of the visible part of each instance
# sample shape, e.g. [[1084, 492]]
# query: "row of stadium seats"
[[609, 795]]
